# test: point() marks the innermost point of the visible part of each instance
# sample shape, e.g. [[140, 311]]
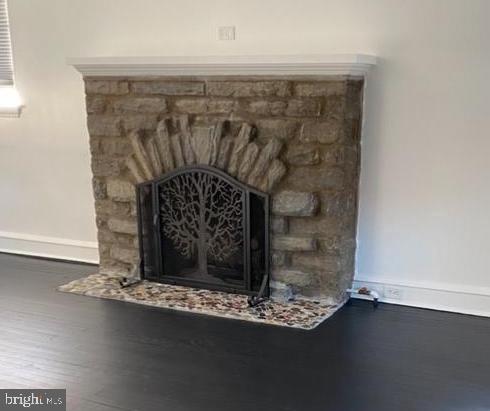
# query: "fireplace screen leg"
[[259, 298], [132, 279]]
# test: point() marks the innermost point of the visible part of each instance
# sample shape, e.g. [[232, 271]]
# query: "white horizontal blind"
[[6, 65]]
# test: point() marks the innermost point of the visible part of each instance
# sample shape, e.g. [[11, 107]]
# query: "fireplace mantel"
[[282, 65], [287, 126]]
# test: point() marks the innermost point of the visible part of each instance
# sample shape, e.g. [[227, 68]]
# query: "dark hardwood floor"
[[111, 355]]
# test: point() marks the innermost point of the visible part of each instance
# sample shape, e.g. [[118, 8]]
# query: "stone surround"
[[309, 126]]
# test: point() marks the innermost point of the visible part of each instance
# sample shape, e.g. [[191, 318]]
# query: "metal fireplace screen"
[[200, 227]]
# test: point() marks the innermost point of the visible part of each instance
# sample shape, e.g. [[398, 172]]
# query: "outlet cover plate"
[[393, 293], [226, 33]]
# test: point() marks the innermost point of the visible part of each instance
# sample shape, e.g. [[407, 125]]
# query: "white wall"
[[425, 194]]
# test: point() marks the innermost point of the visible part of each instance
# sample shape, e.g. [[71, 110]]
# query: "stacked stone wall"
[[314, 205]]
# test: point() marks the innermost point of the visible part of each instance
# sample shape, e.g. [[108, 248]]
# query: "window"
[[9, 98]]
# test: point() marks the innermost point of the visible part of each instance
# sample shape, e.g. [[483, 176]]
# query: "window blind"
[[6, 65]]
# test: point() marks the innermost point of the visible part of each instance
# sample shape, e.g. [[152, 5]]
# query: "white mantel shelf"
[[330, 64]]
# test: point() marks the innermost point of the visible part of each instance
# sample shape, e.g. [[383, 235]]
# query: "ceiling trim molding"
[[283, 65]]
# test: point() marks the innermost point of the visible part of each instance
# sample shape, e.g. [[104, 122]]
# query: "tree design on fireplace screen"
[[200, 227]]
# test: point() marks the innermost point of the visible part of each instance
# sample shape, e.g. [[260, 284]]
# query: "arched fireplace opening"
[[200, 227]]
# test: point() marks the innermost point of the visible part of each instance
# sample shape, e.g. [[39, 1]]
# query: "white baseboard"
[[442, 297], [436, 296], [50, 247]]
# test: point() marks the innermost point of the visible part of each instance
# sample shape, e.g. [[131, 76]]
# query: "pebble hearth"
[[304, 314], [306, 130]]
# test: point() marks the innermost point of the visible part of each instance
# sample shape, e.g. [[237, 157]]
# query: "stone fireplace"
[[289, 127]]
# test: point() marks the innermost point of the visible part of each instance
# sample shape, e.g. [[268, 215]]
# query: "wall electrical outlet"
[[226, 33], [393, 293]]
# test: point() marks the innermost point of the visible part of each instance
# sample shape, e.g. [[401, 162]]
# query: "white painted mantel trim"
[[331, 64]]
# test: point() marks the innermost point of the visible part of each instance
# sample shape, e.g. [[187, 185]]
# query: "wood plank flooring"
[[111, 355]]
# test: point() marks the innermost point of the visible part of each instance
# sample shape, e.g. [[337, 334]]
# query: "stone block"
[[283, 129], [100, 220], [315, 179], [118, 225], [247, 161], [316, 262], [275, 173], [281, 292], [95, 104], [333, 244], [102, 125], [99, 188], [347, 261], [104, 252], [290, 243], [136, 139], [204, 106], [320, 225], [273, 88], [239, 147], [132, 122], [268, 153], [293, 277], [105, 167], [220, 106], [140, 105], [191, 106], [333, 155], [135, 170], [303, 108], [154, 157], [204, 144], [114, 146], [350, 134], [348, 157], [295, 203], [303, 155], [187, 149], [335, 107], [133, 209], [115, 268], [278, 258], [169, 88], [323, 132], [125, 240], [126, 255], [109, 208], [279, 225], [121, 190], [265, 107], [105, 236], [177, 153], [320, 89], [225, 150], [114, 87], [95, 144], [340, 203], [162, 140]]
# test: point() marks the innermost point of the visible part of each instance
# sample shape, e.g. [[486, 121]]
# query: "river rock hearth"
[[301, 313]]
